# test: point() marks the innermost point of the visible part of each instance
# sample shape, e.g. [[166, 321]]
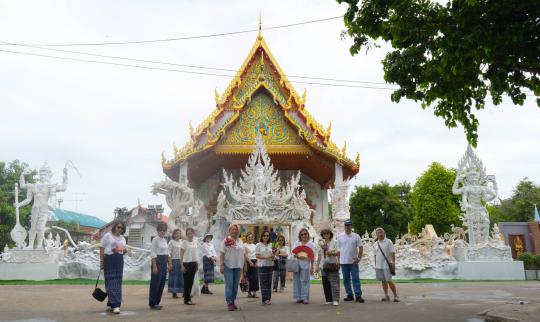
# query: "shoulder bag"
[[390, 266]]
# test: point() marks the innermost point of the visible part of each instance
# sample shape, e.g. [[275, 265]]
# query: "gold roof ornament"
[[216, 96], [191, 131], [329, 129], [344, 149], [357, 159], [304, 96], [163, 159], [175, 148]]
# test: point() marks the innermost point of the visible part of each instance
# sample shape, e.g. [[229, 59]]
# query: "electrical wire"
[[180, 71], [183, 65], [187, 37]]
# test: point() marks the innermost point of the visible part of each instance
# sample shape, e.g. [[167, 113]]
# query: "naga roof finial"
[[260, 25]]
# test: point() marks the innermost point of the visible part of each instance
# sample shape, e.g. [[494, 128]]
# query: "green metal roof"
[[81, 219]]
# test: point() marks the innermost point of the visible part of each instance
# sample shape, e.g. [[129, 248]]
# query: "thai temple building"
[[260, 100]]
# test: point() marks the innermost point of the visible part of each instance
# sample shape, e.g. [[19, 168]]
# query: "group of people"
[[178, 259], [262, 266]]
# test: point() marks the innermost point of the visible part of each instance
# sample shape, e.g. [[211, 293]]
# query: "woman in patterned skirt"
[[328, 264], [252, 272], [161, 264], [176, 277], [111, 254], [265, 264], [209, 261]]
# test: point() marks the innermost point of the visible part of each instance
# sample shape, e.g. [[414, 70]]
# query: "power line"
[[190, 37], [192, 72], [182, 65], [177, 70]]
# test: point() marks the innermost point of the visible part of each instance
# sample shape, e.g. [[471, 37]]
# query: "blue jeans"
[[232, 278], [348, 271]]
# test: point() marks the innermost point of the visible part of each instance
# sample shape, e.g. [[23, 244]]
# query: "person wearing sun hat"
[[351, 250], [328, 265], [209, 261]]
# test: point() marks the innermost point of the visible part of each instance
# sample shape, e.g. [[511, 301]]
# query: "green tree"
[[71, 226], [381, 205], [9, 175], [452, 55], [520, 206], [432, 200]]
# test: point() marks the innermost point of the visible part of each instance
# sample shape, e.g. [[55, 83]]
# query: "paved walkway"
[[420, 302]]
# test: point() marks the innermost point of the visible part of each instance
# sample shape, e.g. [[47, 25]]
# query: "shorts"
[[383, 274]]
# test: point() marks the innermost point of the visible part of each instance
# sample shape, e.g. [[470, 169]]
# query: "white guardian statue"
[[42, 193], [474, 185], [179, 198]]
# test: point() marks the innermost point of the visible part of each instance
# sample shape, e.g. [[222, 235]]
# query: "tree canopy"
[[452, 55], [433, 202], [520, 206], [9, 175], [381, 205]]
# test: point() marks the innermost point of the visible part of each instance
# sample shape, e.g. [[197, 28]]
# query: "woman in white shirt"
[[209, 261], [265, 265], [176, 276], [189, 252], [252, 272], [280, 272], [301, 278], [231, 264], [328, 264], [161, 264], [111, 254]]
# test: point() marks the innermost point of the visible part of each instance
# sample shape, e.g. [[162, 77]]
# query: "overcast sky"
[[113, 122]]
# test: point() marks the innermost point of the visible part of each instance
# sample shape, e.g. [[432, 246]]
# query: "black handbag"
[[331, 267], [98, 293]]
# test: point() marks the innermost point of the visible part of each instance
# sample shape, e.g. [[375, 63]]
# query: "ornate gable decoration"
[[260, 70]]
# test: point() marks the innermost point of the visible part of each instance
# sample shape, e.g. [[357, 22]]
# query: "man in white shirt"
[[385, 257], [351, 250]]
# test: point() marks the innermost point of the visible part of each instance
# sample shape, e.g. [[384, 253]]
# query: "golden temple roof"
[[260, 70]]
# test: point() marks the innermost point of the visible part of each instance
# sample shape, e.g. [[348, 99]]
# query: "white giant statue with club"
[[42, 193]]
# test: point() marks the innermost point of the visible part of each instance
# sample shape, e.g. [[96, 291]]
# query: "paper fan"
[[304, 251]]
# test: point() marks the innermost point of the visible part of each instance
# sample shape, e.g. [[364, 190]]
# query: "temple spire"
[[260, 25]]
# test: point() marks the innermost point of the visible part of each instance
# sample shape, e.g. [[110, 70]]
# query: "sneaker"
[[116, 310], [349, 298], [156, 307], [234, 306], [335, 303], [109, 309], [281, 290], [305, 302], [274, 290], [230, 307], [396, 298], [299, 301], [360, 300], [385, 299], [327, 303]]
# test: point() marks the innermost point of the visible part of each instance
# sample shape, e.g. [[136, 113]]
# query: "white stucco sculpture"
[[260, 197], [42, 193], [179, 198], [474, 185]]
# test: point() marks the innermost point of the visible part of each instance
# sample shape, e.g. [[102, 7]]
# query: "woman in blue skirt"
[[111, 254], [161, 263], [176, 277]]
